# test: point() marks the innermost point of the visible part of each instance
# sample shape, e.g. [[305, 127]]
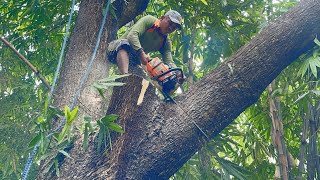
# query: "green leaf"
[[113, 78], [67, 112], [100, 85], [6, 166], [109, 118], [300, 97], [40, 120], [313, 66], [88, 124], [34, 141], [316, 92], [115, 127], [204, 2], [233, 169], [317, 41], [43, 143], [65, 154], [63, 133], [109, 82], [87, 118], [101, 93], [56, 164], [100, 135], [109, 138], [46, 104], [303, 68], [85, 138], [72, 116]]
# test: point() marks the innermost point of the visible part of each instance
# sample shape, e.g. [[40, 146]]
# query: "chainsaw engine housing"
[[167, 78]]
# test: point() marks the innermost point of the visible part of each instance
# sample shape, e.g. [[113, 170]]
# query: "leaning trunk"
[[160, 137]]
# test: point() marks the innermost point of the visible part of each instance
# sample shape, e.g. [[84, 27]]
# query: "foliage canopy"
[[212, 31]]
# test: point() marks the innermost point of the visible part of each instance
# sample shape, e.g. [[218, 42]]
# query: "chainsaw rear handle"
[[170, 70]]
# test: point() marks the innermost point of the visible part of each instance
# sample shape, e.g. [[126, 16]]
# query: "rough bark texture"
[[126, 10], [80, 49], [160, 137]]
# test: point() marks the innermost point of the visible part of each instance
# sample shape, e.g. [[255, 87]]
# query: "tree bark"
[[80, 49], [160, 137]]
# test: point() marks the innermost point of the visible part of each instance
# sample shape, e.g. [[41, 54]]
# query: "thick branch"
[[126, 10], [161, 137]]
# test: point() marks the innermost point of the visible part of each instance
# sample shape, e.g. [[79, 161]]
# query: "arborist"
[[149, 34]]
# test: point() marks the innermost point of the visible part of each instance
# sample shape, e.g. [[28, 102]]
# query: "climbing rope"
[[34, 151], [61, 53], [83, 79]]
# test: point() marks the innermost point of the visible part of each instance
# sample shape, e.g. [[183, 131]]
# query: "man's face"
[[167, 26]]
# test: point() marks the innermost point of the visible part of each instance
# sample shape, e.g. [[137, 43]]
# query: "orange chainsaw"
[[168, 78]]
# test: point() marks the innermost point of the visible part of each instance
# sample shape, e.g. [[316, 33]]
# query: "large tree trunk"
[[80, 49], [160, 137]]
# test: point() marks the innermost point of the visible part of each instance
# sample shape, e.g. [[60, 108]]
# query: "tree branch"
[[160, 137]]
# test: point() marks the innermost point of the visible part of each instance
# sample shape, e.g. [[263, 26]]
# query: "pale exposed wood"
[[145, 85]]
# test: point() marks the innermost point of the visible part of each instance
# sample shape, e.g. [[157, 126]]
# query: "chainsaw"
[[168, 78]]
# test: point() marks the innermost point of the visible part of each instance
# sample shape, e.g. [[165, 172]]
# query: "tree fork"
[[213, 102]]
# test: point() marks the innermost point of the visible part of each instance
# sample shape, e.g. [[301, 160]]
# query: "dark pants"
[[134, 60], [117, 45]]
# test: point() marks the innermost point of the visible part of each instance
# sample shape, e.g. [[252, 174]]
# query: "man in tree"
[[149, 34]]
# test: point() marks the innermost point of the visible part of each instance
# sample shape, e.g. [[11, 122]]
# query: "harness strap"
[[155, 26]]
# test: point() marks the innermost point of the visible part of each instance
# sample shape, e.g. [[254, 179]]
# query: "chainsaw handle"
[[170, 70]]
